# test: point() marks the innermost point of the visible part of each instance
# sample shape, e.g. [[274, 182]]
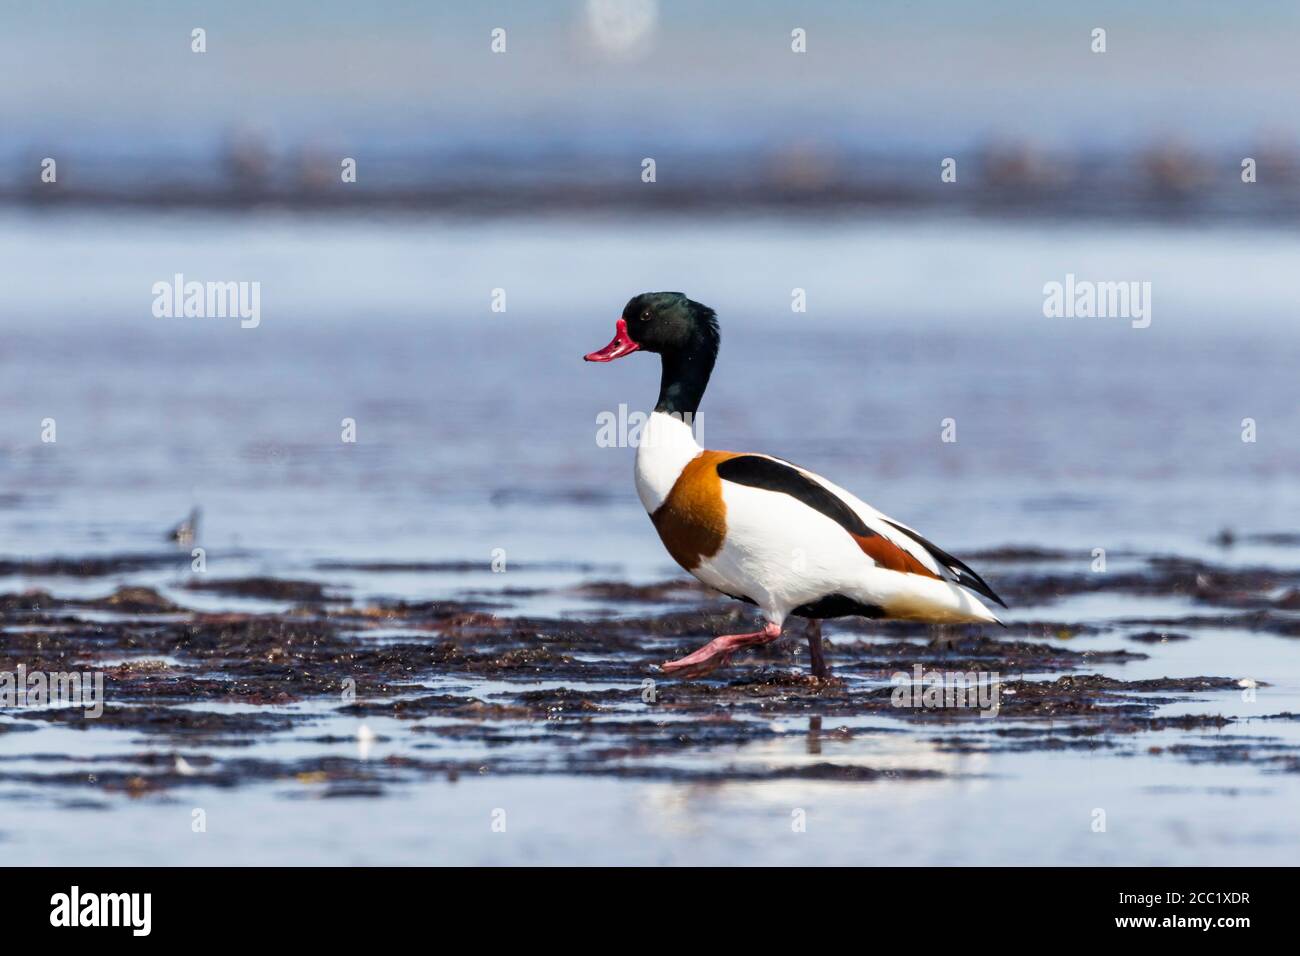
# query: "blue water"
[[477, 431]]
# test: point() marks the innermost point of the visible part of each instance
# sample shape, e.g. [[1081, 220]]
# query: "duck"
[[761, 529]]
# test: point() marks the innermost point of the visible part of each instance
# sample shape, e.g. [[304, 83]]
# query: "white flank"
[[780, 553]]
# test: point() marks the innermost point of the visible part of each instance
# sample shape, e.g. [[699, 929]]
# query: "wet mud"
[[474, 685]]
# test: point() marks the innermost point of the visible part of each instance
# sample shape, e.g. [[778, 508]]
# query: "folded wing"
[[887, 542]]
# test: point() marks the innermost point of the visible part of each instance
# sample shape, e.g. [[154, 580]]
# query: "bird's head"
[[665, 322]]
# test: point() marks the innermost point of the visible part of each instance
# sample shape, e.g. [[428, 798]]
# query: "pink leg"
[[717, 652]]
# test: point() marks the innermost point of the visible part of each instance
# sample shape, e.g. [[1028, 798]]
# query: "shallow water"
[[477, 432]]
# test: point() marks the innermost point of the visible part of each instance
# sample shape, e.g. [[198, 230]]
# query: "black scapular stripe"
[[771, 475]]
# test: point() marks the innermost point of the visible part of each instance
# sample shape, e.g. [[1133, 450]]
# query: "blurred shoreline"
[[1166, 181]]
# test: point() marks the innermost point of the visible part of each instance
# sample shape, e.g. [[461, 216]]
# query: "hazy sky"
[[900, 71]]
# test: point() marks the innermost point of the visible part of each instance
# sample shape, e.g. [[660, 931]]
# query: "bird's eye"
[[645, 316]]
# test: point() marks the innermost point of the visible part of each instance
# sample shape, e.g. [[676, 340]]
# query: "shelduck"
[[760, 529]]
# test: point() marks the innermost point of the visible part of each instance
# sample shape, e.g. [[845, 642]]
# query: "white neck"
[[666, 444]]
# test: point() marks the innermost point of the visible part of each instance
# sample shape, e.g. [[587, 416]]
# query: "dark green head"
[[683, 332], [666, 322]]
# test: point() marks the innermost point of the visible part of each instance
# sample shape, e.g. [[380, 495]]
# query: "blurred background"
[[477, 430], [522, 171]]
